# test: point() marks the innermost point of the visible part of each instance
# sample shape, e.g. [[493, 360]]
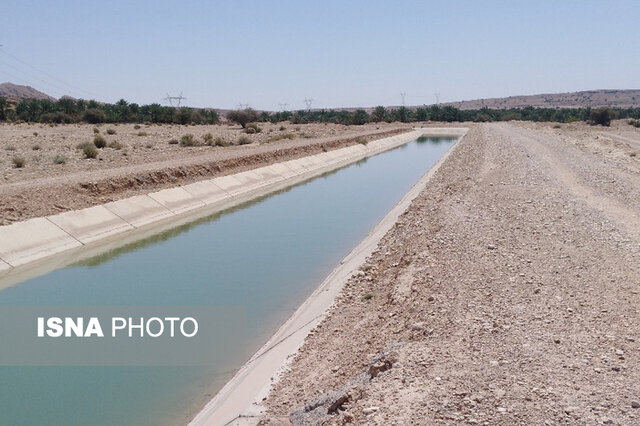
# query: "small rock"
[[370, 410], [635, 404], [502, 410], [491, 247]]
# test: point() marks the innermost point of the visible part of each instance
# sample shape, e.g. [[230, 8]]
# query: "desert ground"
[[508, 293], [140, 159]]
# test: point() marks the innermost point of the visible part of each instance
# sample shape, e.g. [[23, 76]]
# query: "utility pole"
[[308, 102], [176, 99]]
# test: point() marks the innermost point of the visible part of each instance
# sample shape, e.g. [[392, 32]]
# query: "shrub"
[[111, 131], [601, 116], [243, 140], [59, 159], [18, 162], [220, 142], [173, 141], [362, 140], [90, 151], [137, 126], [99, 141], [96, 130], [115, 145], [35, 134], [56, 117], [35, 147], [143, 134], [367, 296], [242, 117], [254, 126], [249, 130], [188, 140], [482, 118], [422, 138], [10, 148], [208, 139], [281, 136], [634, 123], [282, 128], [94, 116]]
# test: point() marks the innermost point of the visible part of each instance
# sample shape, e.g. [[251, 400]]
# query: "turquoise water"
[[266, 256]]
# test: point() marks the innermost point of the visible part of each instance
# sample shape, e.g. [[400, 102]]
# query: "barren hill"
[[16, 92], [589, 98]]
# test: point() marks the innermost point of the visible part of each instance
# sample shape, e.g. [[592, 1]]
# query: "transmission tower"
[[308, 102], [402, 95], [437, 95], [175, 99], [283, 106], [242, 106]]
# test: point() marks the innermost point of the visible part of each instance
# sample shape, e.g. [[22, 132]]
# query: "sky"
[[339, 53]]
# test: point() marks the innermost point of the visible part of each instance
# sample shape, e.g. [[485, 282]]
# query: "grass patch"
[[243, 140], [282, 128], [189, 140], [111, 131], [10, 148], [252, 128], [35, 147], [208, 139], [90, 151], [281, 136], [59, 159], [362, 140], [220, 142], [367, 296], [115, 145], [18, 162], [96, 130], [99, 141], [143, 134]]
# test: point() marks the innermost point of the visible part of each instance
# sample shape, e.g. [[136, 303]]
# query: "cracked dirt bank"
[[509, 292]]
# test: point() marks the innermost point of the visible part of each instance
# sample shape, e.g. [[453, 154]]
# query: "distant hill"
[[589, 98], [16, 92]]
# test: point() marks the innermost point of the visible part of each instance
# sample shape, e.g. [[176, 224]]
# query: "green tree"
[[243, 117], [379, 114]]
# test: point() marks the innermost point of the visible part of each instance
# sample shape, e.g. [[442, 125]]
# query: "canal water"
[[266, 257]]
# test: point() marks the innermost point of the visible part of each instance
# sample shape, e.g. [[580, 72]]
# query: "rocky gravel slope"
[[508, 294]]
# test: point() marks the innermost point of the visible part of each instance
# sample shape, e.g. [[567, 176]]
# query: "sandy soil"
[[145, 162], [508, 293]]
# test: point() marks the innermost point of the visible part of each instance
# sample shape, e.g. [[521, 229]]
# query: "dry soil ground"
[[145, 161], [508, 293]]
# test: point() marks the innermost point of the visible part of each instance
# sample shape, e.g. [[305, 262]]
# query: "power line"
[[75, 88], [308, 102], [176, 99], [58, 90]]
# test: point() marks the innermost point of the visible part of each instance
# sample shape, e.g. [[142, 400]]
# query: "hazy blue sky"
[[340, 53]]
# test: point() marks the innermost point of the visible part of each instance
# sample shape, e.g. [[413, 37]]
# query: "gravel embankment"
[[511, 285]]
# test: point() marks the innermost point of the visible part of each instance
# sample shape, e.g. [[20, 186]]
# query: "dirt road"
[[508, 293]]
